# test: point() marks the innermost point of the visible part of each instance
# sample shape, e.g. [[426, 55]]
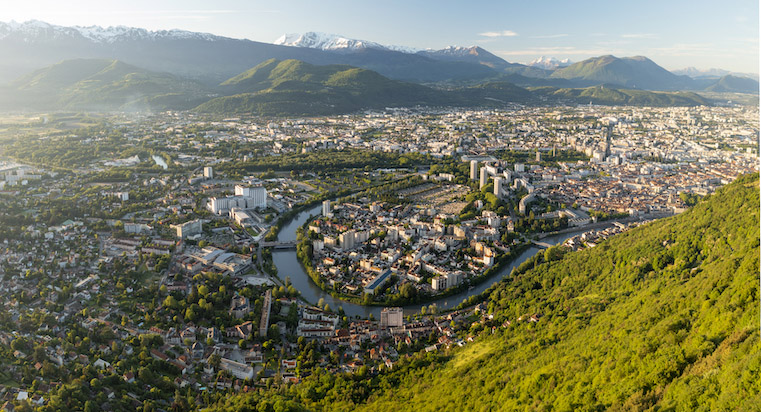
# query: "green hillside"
[[662, 317], [297, 88], [631, 72], [292, 87], [606, 95], [736, 84], [97, 84]]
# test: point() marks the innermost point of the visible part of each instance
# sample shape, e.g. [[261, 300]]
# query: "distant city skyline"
[[675, 34]]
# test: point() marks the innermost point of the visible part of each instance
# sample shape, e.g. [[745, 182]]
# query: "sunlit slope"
[[665, 316]]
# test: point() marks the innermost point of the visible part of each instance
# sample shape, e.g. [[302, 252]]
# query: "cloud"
[[550, 36], [503, 33], [640, 36]]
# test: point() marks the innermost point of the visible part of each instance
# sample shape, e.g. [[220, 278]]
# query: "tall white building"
[[326, 208], [473, 170], [498, 186], [484, 178], [208, 172], [347, 240]]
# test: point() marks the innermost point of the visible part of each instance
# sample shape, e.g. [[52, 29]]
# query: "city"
[[345, 206], [158, 269]]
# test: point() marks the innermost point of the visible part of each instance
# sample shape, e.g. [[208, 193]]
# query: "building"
[[347, 240], [484, 178], [391, 318], [608, 134], [474, 170], [137, 228], [498, 187], [538, 156], [377, 282], [239, 306], [439, 283], [245, 198], [187, 229], [519, 167], [326, 208], [454, 278], [257, 193], [237, 369], [524, 203], [208, 172]]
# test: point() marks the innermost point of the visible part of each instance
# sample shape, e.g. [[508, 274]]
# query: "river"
[[288, 265]]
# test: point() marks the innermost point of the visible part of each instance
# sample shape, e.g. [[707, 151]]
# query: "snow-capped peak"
[[35, 29], [455, 50], [550, 63], [333, 42]]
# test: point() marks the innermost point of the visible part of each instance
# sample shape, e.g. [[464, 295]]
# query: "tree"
[[214, 360], [170, 302]]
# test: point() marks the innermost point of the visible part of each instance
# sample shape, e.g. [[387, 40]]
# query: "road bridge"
[[541, 244], [279, 245]]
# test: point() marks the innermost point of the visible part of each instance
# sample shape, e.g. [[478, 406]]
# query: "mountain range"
[[47, 67], [284, 87], [550, 63], [712, 73], [212, 59]]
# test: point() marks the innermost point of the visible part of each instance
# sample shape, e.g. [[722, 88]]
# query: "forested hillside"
[[663, 317]]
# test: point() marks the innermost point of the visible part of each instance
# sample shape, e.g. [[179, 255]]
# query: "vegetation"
[[630, 72], [607, 95], [664, 316], [736, 84], [295, 88], [292, 87], [95, 84]]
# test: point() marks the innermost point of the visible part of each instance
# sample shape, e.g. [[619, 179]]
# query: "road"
[[606, 223]]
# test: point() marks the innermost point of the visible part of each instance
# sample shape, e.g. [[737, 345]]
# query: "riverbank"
[[289, 265], [304, 255]]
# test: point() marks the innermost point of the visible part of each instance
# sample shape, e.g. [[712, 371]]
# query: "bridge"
[[541, 244], [279, 245]]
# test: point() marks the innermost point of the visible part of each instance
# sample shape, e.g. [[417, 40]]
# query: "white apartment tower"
[[498, 187], [484, 178], [326, 208]]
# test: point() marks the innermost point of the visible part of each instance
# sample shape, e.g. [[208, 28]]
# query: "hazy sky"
[[675, 34]]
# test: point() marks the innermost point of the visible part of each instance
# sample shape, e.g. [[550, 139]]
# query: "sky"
[[675, 34]]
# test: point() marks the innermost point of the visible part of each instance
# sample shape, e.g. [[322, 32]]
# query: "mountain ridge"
[[270, 87], [549, 63], [212, 59], [633, 72]]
